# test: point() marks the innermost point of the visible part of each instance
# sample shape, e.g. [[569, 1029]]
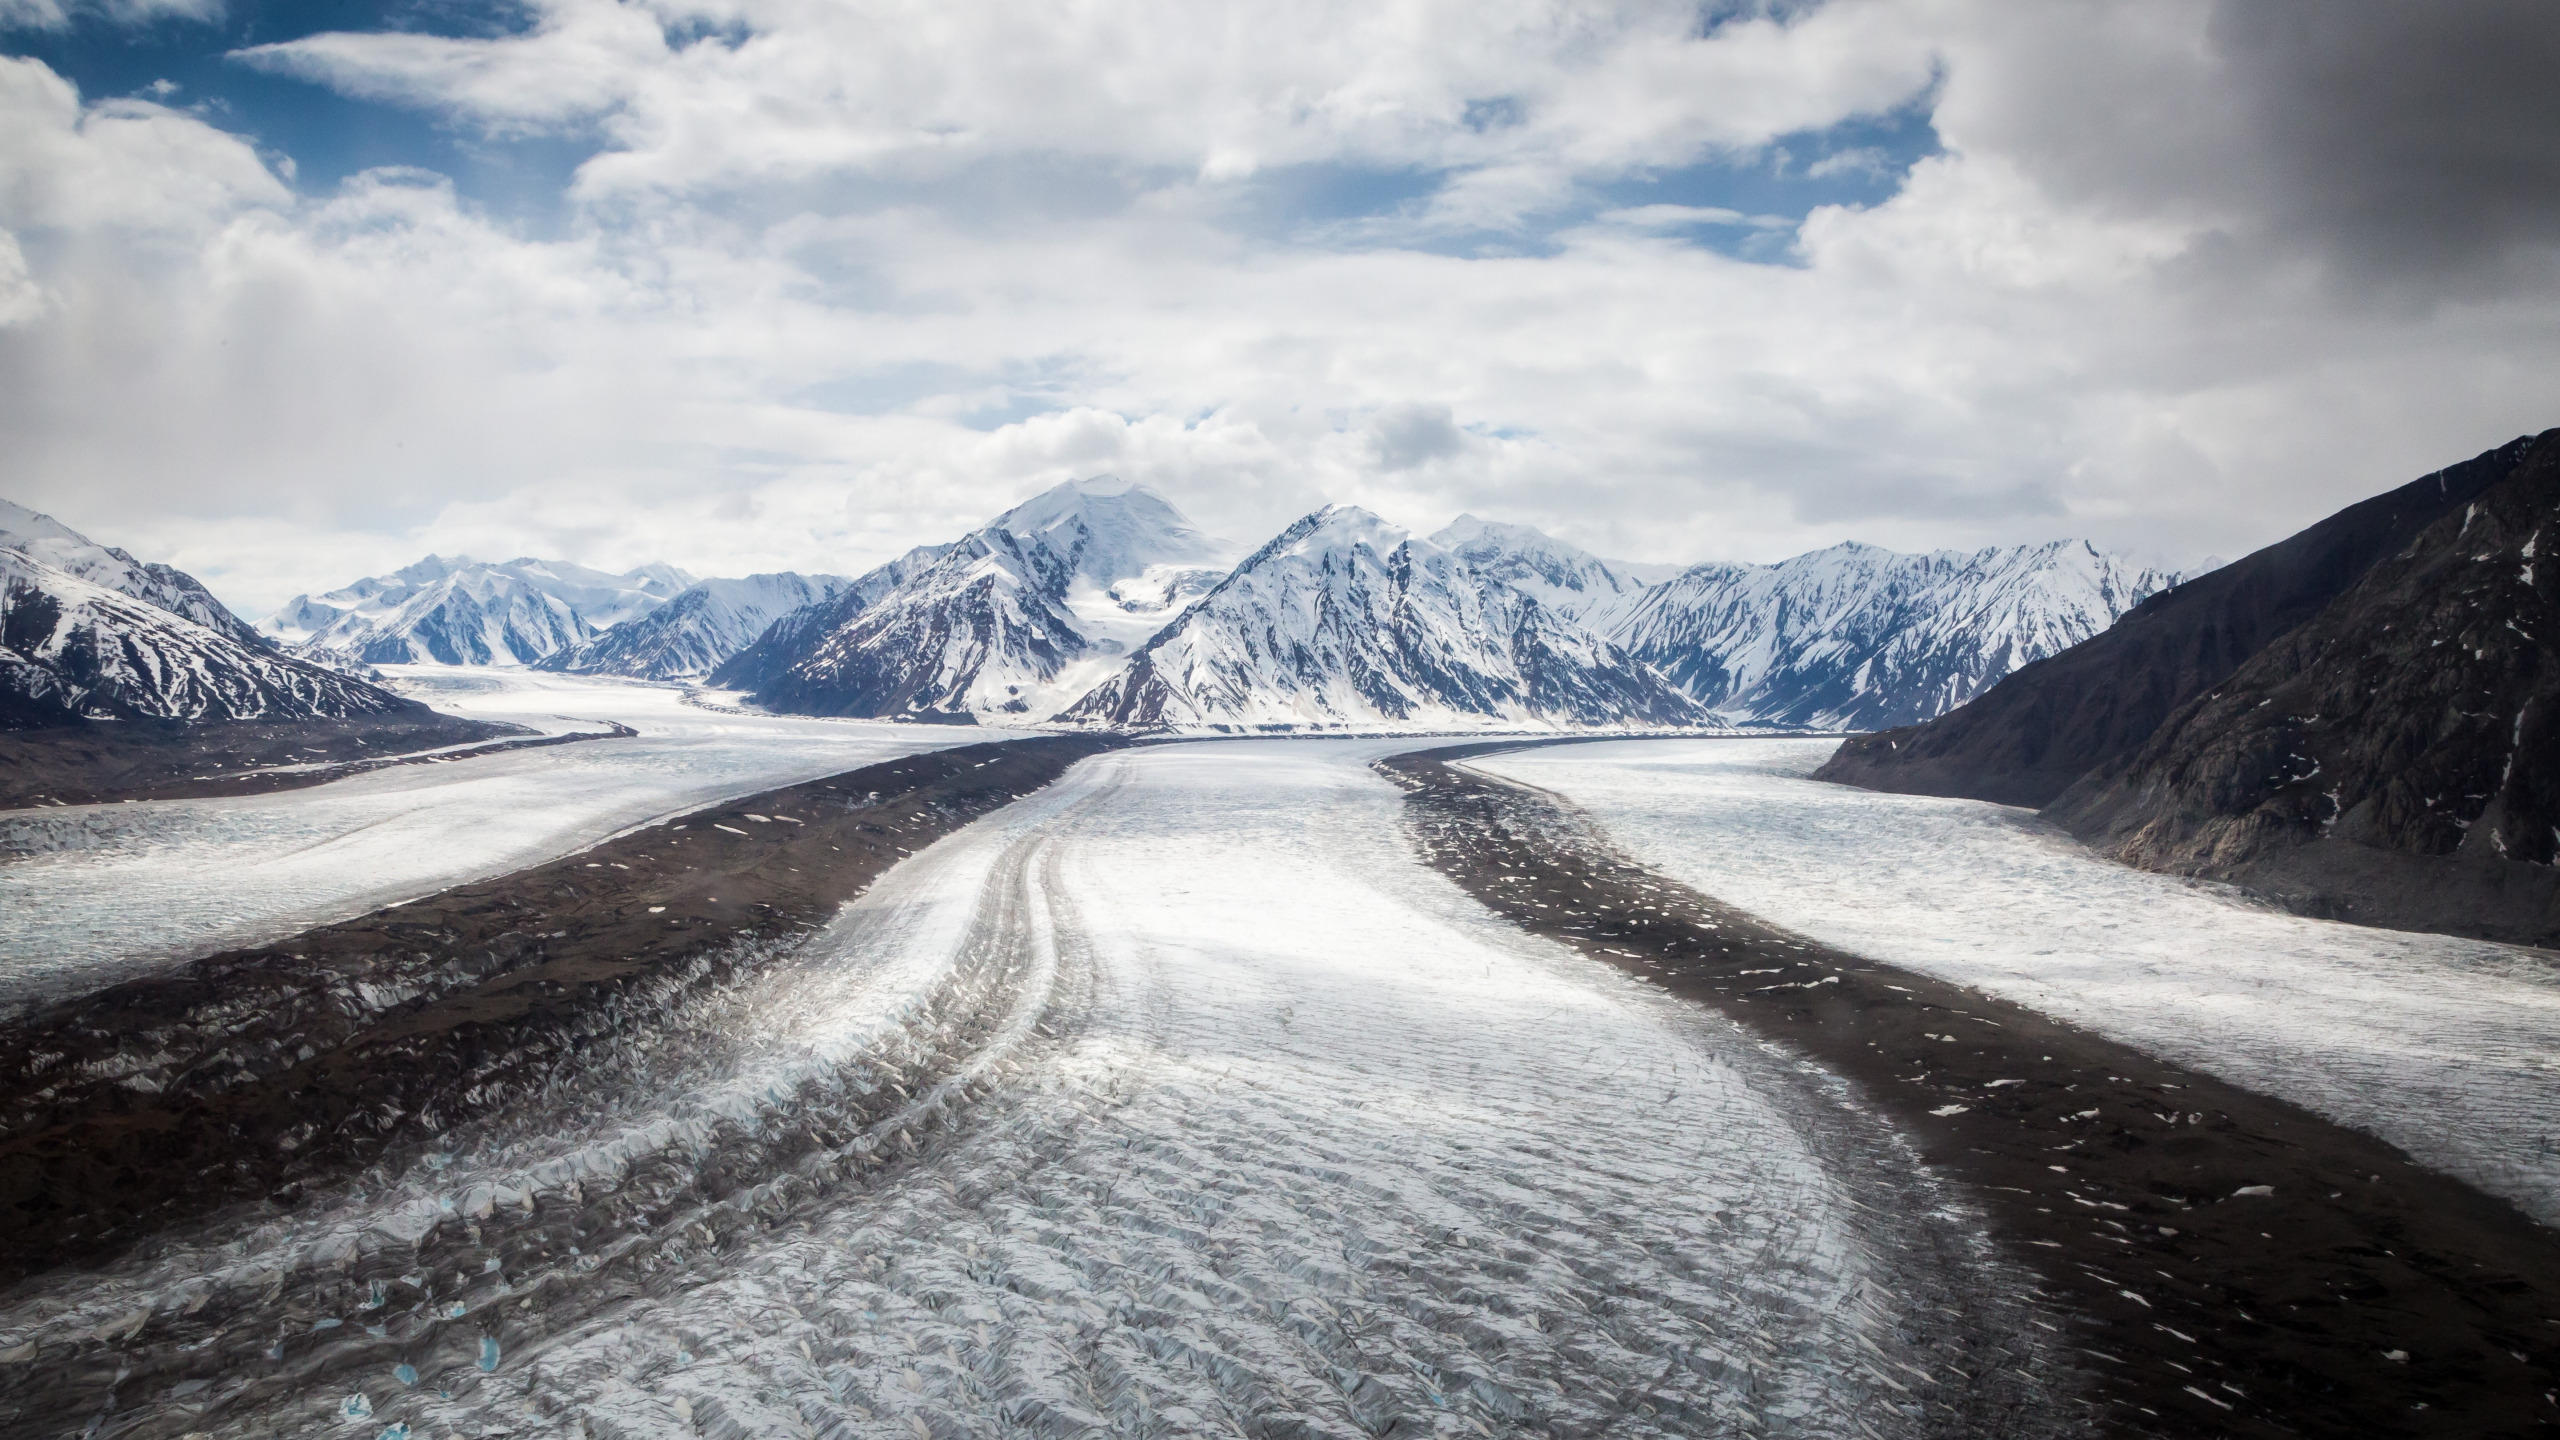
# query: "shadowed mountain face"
[[2397, 755], [2035, 734]]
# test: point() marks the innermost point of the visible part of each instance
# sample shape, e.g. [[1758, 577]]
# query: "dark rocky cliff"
[[2395, 758]]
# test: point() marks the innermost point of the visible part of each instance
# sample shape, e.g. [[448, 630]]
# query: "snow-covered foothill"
[[459, 611], [2447, 1048], [1859, 638], [1345, 621]]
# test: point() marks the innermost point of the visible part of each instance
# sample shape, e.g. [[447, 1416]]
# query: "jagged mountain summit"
[[1347, 622], [1013, 621], [1561, 577], [1857, 638], [459, 611], [694, 633], [57, 546], [76, 647]]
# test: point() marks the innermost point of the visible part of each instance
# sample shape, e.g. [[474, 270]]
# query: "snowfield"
[[97, 892], [1216, 1112], [2447, 1048]]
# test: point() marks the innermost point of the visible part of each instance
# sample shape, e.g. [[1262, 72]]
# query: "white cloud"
[[841, 286], [1676, 217], [1219, 91], [57, 14]]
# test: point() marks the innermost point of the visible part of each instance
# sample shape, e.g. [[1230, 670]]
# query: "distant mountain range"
[[88, 633], [691, 635], [2363, 719], [1858, 638], [460, 611], [1344, 620], [1098, 603]]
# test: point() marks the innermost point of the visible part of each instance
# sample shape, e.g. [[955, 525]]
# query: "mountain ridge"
[[1343, 620]]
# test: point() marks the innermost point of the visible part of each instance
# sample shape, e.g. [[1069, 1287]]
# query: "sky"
[[293, 293]]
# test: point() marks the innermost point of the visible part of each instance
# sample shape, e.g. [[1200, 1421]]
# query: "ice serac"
[[72, 650], [2396, 757], [693, 634], [1567, 580], [2035, 734], [1858, 638], [1347, 622], [460, 611], [1012, 622], [57, 546]]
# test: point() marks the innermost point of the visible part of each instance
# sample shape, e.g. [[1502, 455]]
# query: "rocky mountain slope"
[[2395, 757], [1013, 621], [1856, 637], [1346, 621], [2036, 733], [72, 650], [459, 611], [697, 631]]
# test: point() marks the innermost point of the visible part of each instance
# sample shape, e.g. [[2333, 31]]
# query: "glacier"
[[1053, 1132], [2445, 1047], [98, 892]]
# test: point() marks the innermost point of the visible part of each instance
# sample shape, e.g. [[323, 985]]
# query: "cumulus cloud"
[[786, 89], [837, 279]]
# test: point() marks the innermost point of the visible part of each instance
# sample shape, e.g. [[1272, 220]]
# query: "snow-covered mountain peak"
[[20, 527], [1561, 576], [1106, 529], [1347, 620], [61, 549], [76, 647], [454, 610], [1856, 636], [1015, 619]]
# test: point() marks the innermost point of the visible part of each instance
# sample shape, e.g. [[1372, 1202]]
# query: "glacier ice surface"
[[2445, 1047]]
